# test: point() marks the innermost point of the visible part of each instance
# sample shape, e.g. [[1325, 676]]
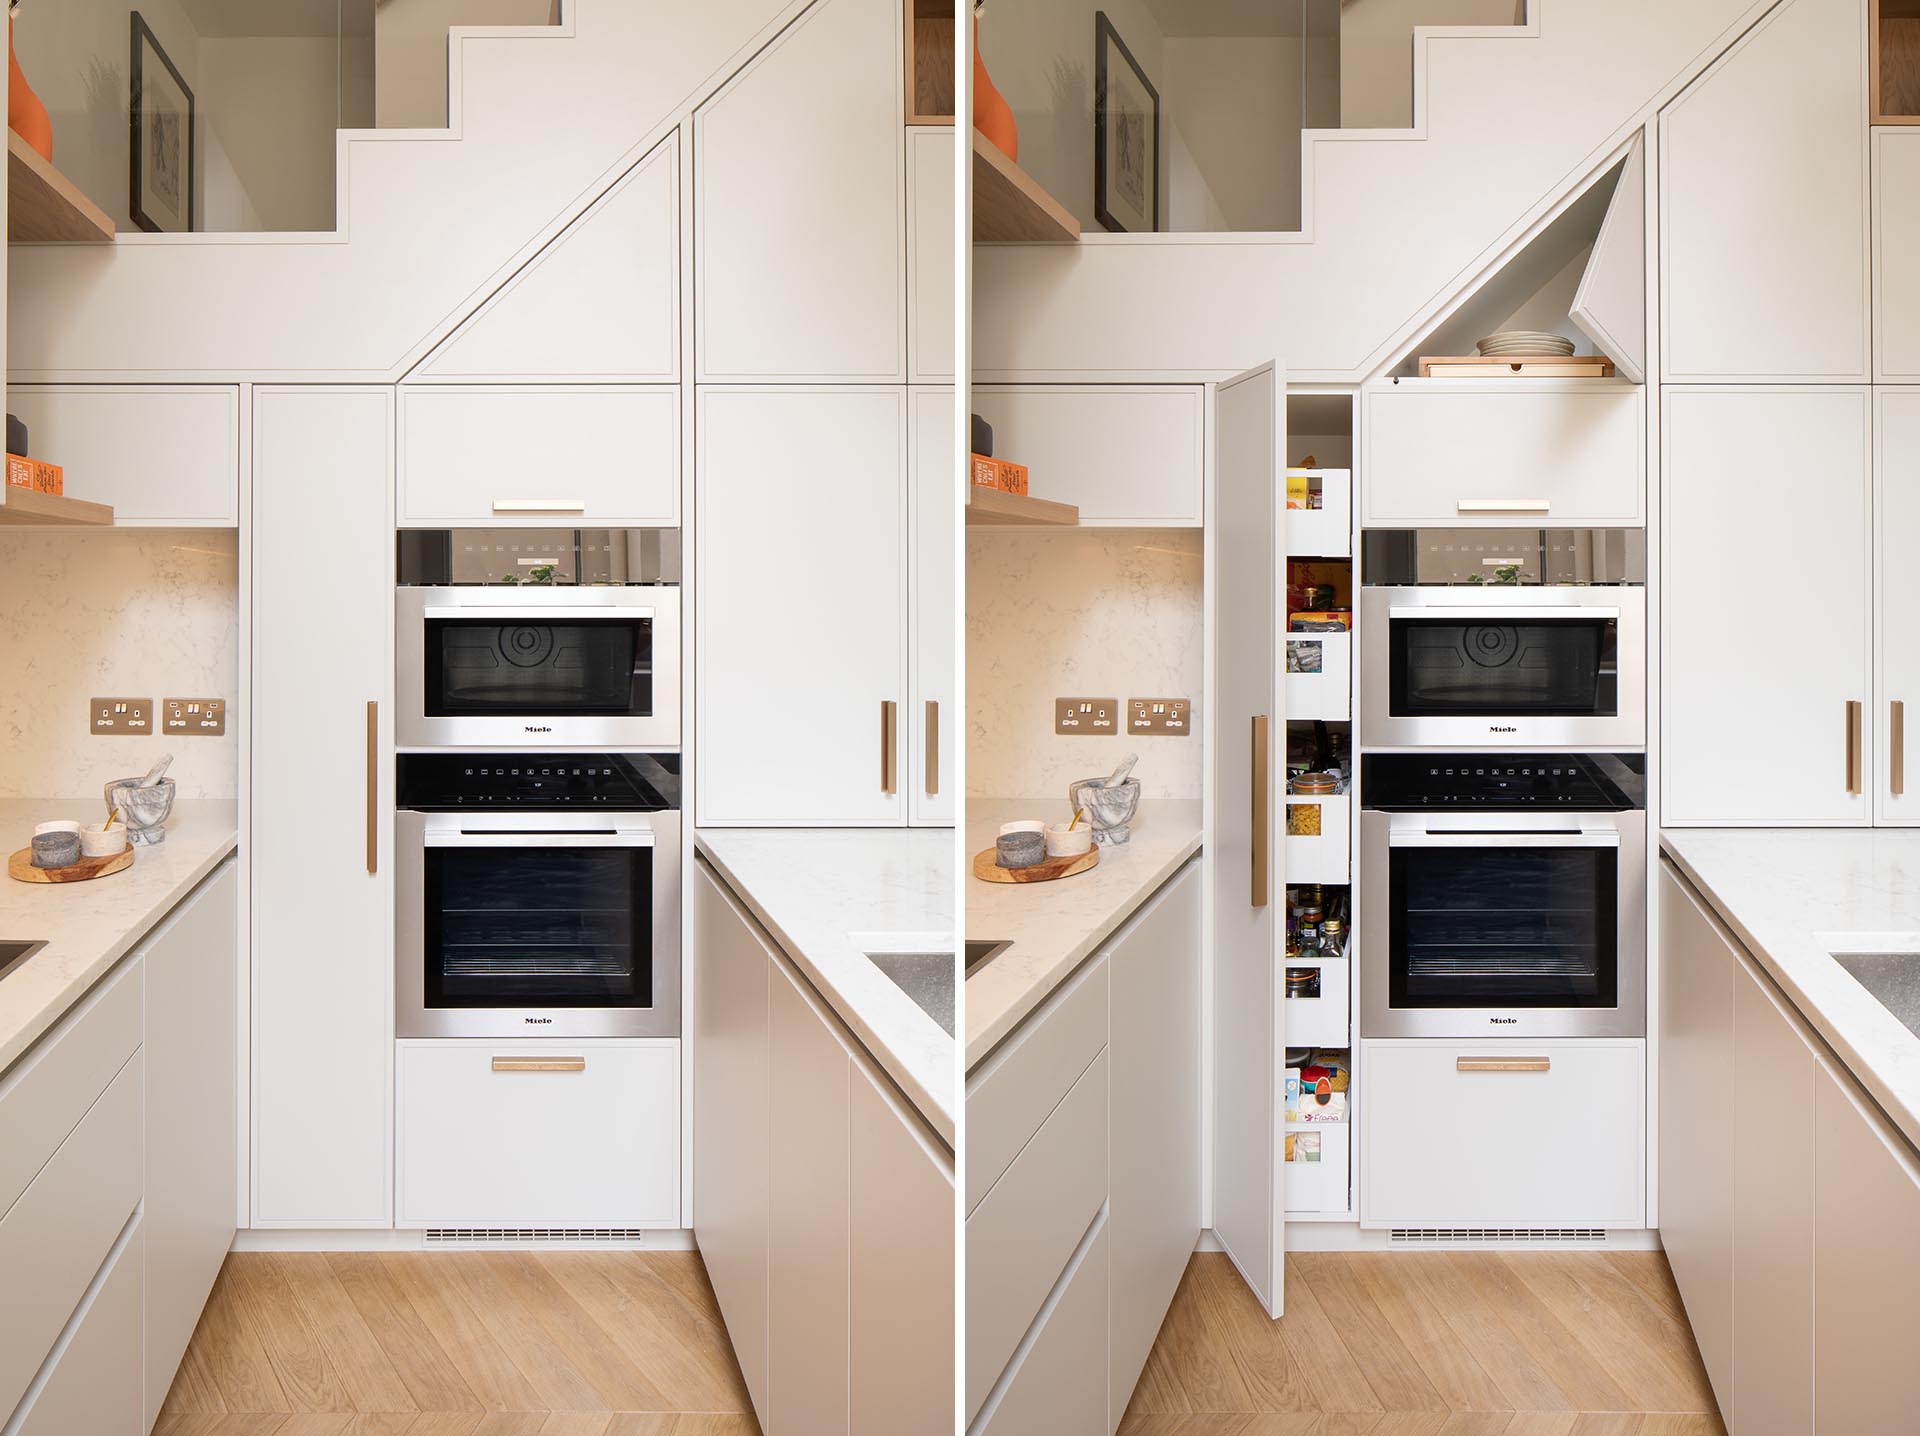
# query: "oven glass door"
[[527, 664], [538, 920], [1468, 664], [1498, 920]]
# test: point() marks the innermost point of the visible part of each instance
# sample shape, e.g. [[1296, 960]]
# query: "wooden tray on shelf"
[[21, 869], [988, 871]]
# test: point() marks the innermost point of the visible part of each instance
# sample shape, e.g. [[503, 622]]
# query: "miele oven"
[[530, 638], [1503, 896], [537, 895], [1551, 653]]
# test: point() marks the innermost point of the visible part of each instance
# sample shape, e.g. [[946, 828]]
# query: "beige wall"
[[1376, 52], [410, 41]]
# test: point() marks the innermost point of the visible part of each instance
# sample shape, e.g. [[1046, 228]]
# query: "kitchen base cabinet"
[[91, 1385], [1058, 1386]]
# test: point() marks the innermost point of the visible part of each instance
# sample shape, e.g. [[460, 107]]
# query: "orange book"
[[986, 472], [20, 472], [1001, 474], [1013, 477], [49, 478]]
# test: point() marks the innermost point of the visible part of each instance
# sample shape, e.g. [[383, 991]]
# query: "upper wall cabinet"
[[1764, 198], [1130, 455], [607, 455], [164, 455], [799, 205], [930, 254], [601, 302], [1896, 243]]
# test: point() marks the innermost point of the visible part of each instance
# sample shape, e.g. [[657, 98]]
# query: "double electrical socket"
[[1097, 717], [190, 717]]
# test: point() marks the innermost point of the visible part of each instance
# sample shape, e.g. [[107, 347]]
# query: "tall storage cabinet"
[[934, 717], [1896, 496], [322, 880]]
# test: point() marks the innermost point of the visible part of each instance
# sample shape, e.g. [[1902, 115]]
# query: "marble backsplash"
[[124, 613], [1094, 613]]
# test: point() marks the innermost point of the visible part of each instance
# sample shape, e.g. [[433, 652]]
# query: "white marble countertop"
[[827, 896], [1785, 893], [1054, 927], [88, 927]]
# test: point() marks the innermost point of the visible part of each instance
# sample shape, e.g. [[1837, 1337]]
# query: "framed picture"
[[1126, 135], [160, 158]]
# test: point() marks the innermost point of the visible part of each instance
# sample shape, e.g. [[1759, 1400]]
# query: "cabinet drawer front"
[[1060, 1385], [46, 1095], [53, 1241], [1021, 1237], [94, 1382], [1024, 1081], [1127, 454], [1522, 451], [540, 456], [1560, 1147], [159, 453], [515, 1134]]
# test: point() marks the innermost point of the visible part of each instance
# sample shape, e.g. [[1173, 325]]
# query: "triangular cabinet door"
[[1611, 304], [601, 302]]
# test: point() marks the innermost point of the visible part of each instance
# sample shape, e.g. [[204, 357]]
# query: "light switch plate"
[[1087, 717], [194, 717], [120, 715], [1169, 717]]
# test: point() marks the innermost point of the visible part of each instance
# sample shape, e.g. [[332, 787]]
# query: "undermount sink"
[[12, 954], [923, 970], [981, 951], [1890, 970]]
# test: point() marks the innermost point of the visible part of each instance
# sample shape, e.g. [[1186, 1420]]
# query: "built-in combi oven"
[[536, 638], [537, 894], [1503, 895], [1504, 642]]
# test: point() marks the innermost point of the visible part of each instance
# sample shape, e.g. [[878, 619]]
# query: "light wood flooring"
[[1429, 1344], [610, 1343]]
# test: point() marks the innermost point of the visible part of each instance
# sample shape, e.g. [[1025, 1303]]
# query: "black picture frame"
[[143, 43], [1106, 40]]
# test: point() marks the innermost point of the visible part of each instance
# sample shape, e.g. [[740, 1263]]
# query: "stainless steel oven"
[[1505, 641], [537, 895], [1503, 896]]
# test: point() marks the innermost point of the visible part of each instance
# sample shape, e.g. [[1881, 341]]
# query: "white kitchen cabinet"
[[933, 718], [1153, 1218], [1697, 966], [900, 1333], [1464, 453], [800, 204], [600, 303], [811, 1211], [1130, 455], [1058, 1386], [801, 626], [321, 904], [1896, 240], [544, 456], [164, 455], [192, 1072], [731, 1121], [1896, 523], [1762, 691], [1866, 1263], [93, 1383], [1776, 1138], [538, 1134], [930, 254], [1764, 264], [1558, 1137]]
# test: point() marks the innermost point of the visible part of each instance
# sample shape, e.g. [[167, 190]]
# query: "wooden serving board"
[[21, 869], [1045, 871]]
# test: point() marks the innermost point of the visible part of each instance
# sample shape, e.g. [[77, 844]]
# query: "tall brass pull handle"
[[1502, 1064], [1853, 745], [1897, 747], [373, 787], [1262, 805], [539, 1064], [933, 748], [888, 709]]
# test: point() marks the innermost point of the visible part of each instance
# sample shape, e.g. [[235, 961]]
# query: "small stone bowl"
[[55, 850], [1066, 841], [145, 809], [58, 825], [1111, 809], [1021, 844], [103, 840]]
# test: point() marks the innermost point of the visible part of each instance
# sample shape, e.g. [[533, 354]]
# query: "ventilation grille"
[[1499, 1236], [534, 1236]]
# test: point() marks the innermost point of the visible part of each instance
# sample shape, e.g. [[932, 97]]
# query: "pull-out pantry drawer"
[[539, 1134], [1511, 1133], [92, 1383]]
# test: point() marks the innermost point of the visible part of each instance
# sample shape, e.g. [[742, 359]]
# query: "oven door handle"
[[557, 613], [1515, 612], [1512, 838], [528, 838]]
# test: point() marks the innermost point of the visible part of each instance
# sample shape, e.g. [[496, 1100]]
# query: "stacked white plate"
[[1509, 342]]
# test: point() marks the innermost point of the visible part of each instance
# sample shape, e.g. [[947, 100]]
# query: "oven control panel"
[[621, 782], [1579, 782]]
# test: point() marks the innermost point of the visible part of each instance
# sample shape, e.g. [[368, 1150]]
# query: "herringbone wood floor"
[[1429, 1344], [460, 1344]]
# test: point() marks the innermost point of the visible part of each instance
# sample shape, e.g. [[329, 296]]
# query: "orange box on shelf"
[[42, 478], [1001, 474]]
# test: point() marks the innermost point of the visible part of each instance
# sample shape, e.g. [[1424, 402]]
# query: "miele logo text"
[[1503, 1021], [1501, 728], [538, 728], [539, 1021]]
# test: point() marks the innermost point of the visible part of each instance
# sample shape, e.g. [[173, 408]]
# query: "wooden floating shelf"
[[29, 506], [1484, 366], [1009, 205], [1894, 62], [929, 30], [996, 508], [43, 204]]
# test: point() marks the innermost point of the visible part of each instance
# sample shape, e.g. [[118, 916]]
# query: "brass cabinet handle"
[[933, 748], [1262, 818], [373, 787], [1502, 1064], [888, 709], [539, 1064], [1897, 747], [1853, 745]]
